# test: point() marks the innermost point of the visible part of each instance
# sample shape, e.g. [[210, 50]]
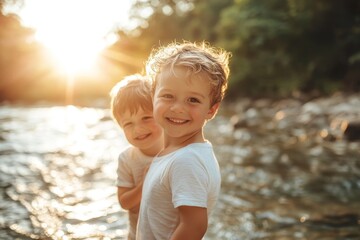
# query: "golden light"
[[72, 56], [75, 31]]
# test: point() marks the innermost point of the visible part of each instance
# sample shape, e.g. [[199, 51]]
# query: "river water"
[[287, 171]]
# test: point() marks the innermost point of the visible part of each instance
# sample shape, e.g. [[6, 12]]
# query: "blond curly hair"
[[197, 58]]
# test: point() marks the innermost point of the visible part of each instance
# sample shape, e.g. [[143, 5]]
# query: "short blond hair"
[[196, 58], [131, 94]]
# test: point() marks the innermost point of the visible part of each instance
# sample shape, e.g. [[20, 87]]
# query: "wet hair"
[[131, 94], [197, 59]]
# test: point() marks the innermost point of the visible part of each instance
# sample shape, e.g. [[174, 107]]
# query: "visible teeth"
[[177, 120]]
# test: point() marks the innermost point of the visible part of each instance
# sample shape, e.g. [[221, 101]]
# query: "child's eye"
[[193, 100], [126, 124], [146, 118], [167, 96]]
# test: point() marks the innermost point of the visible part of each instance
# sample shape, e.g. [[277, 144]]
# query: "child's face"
[[141, 130], [182, 105]]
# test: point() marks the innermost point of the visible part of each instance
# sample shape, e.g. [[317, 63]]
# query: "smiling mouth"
[[142, 137], [177, 121]]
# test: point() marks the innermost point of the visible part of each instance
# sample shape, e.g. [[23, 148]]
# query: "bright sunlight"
[[75, 31]]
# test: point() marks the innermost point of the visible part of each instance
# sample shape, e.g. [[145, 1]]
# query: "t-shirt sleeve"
[[189, 182], [124, 173]]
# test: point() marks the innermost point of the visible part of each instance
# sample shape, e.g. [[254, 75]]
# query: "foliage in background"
[[279, 47]]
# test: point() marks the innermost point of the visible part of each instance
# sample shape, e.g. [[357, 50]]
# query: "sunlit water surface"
[[287, 172]]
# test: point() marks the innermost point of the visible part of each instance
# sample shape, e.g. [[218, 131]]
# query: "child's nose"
[[138, 128], [177, 107]]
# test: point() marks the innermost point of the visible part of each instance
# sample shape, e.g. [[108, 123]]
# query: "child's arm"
[[129, 198], [193, 223]]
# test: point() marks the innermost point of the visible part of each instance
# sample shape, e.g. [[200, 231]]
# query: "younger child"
[[131, 107], [183, 182]]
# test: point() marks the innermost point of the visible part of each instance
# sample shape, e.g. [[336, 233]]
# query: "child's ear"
[[212, 111]]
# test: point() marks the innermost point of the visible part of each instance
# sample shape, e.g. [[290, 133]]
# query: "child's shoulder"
[[198, 146], [128, 150], [132, 156], [195, 150]]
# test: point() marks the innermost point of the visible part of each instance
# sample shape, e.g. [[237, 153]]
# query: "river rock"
[[352, 131]]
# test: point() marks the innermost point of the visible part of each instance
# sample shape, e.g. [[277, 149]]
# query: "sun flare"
[[73, 55], [75, 31]]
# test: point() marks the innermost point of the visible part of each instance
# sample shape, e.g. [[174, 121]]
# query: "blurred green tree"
[[279, 47]]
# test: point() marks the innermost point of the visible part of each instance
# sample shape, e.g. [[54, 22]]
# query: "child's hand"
[[135, 209]]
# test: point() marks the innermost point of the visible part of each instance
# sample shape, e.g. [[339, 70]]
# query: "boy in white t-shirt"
[[131, 107], [183, 182]]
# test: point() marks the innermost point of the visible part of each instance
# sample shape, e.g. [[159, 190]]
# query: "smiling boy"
[[131, 106], [183, 182]]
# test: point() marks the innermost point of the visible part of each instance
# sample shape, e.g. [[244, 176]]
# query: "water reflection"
[[57, 174], [287, 171], [283, 178]]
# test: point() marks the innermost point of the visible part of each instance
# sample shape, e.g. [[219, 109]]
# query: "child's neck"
[[173, 144]]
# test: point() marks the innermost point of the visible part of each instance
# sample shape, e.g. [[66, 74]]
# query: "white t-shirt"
[[131, 165], [188, 176]]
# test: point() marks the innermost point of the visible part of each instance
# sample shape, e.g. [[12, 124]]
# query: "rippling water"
[[287, 172]]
